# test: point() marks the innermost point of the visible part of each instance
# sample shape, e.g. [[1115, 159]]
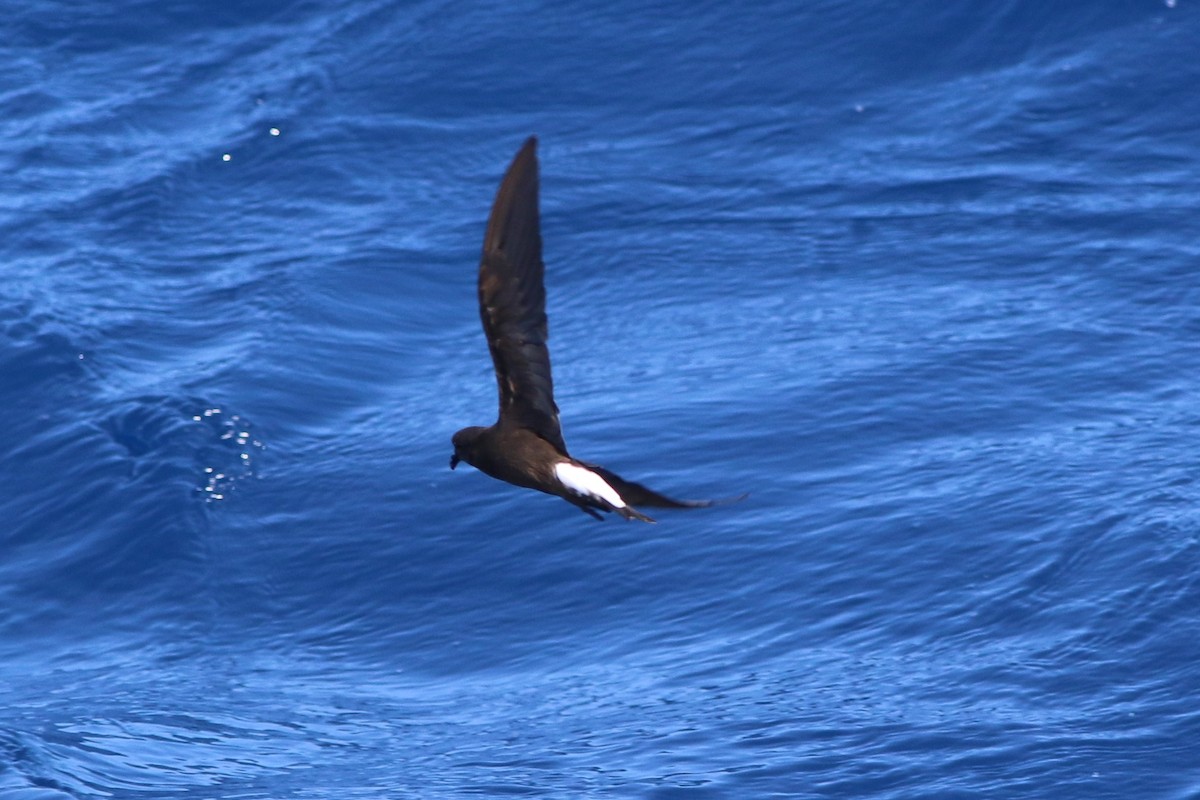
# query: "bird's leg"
[[591, 512]]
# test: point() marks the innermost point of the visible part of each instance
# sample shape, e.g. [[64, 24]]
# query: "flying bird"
[[525, 446]]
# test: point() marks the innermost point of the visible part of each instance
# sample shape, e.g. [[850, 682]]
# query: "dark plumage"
[[525, 447]]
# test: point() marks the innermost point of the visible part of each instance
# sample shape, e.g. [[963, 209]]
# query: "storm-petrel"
[[525, 446]]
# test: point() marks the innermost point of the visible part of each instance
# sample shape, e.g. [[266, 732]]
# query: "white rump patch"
[[587, 483]]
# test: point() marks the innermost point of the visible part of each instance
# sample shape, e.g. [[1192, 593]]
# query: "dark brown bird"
[[525, 446]]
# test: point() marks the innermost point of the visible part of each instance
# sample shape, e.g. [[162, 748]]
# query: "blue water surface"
[[921, 277]]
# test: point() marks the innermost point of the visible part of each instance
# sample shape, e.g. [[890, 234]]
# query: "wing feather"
[[512, 301]]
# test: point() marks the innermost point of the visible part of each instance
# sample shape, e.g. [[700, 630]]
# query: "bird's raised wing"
[[512, 301]]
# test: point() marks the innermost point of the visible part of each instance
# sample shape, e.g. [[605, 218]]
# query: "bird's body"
[[525, 446]]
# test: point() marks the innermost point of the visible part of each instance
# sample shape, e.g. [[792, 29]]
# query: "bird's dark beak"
[[454, 459]]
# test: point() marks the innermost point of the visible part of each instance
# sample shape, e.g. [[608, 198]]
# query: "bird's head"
[[464, 445]]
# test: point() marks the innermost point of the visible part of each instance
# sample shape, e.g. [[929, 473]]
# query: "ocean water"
[[922, 278]]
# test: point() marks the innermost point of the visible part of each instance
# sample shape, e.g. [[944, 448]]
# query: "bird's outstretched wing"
[[512, 301]]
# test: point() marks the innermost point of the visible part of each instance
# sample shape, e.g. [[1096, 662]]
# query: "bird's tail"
[[637, 495]]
